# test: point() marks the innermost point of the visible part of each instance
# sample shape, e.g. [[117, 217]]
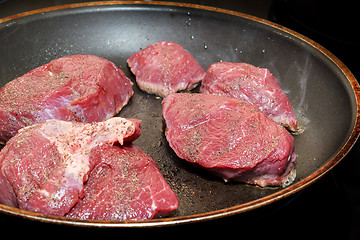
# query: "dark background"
[[328, 209]]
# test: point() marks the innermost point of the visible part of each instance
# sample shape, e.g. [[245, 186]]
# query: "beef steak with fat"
[[230, 138], [44, 166], [83, 88]]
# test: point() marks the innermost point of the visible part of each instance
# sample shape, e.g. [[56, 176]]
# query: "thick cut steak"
[[229, 137], [164, 68], [125, 185], [255, 85], [44, 166], [81, 88]]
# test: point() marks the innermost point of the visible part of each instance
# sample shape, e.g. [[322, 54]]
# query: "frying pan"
[[323, 92]]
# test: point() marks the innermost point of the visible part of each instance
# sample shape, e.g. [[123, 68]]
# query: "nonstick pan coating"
[[323, 92]]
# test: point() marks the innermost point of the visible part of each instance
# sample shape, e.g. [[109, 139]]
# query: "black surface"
[[329, 208]]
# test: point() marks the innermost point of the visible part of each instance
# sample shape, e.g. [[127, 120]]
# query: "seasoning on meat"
[[125, 185], [255, 85], [84, 171], [164, 68], [82, 88], [230, 138]]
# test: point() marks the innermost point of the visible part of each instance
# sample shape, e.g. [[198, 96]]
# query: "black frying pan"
[[323, 92]]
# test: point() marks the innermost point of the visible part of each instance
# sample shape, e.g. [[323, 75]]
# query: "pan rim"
[[283, 193]]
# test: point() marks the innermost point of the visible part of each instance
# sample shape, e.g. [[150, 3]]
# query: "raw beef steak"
[[44, 166], [164, 68], [125, 185], [229, 137], [81, 88], [253, 84]]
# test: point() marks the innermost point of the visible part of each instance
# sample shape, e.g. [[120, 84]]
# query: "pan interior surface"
[[320, 92]]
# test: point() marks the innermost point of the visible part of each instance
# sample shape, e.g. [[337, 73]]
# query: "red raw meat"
[[81, 88], [255, 85], [125, 185], [164, 68], [229, 137], [44, 166]]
